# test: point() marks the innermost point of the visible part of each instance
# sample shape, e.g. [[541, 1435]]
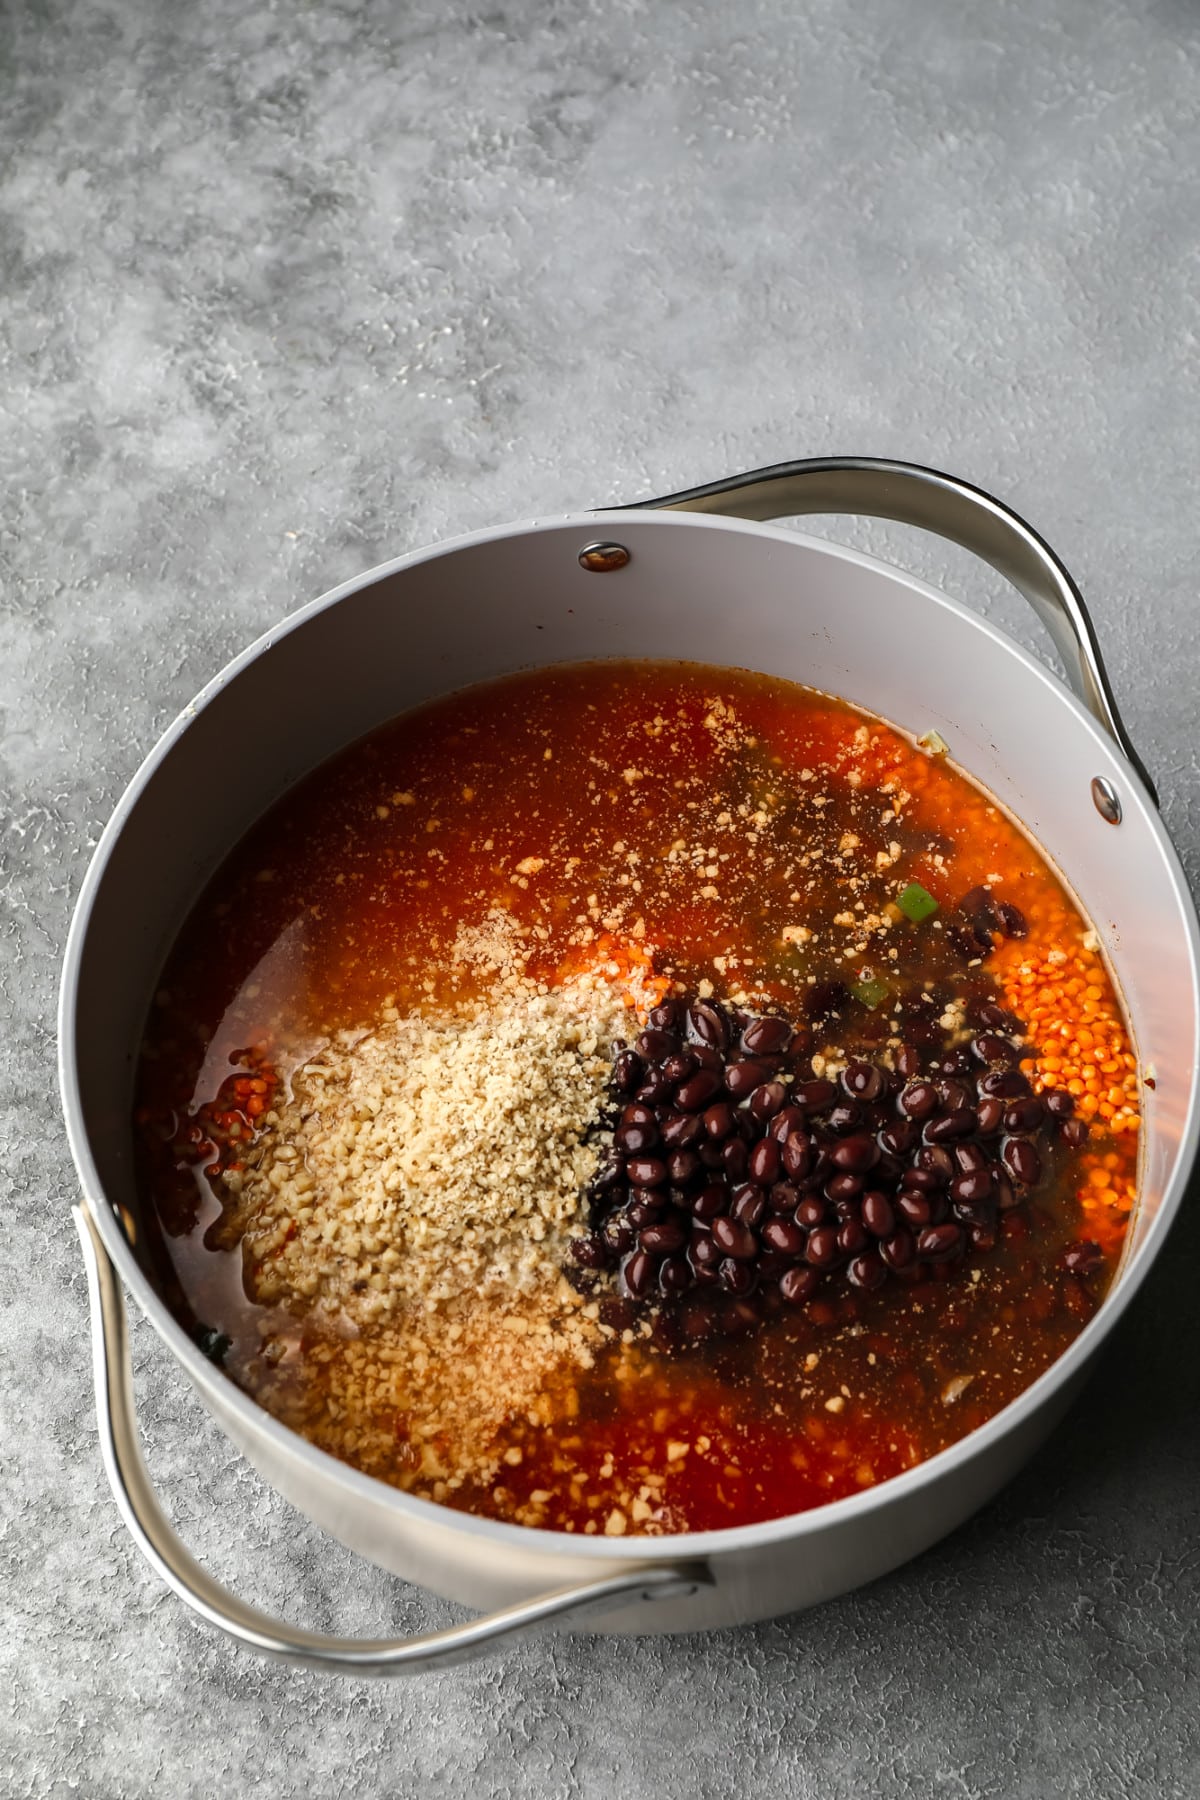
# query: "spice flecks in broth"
[[648, 830]]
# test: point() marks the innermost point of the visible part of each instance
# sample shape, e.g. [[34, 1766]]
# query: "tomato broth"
[[652, 836]]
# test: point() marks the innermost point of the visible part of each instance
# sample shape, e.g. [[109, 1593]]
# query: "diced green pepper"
[[917, 903], [870, 990]]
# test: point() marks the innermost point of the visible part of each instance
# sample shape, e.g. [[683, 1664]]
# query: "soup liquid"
[[748, 835]]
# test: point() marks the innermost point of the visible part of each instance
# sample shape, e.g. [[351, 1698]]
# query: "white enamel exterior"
[[708, 590]]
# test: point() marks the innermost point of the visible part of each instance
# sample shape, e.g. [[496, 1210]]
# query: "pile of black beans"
[[736, 1171]]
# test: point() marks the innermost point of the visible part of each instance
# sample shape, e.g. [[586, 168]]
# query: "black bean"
[[1022, 1161], [680, 1066], [1003, 1084], [666, 1015], [919, 1100], [784, 1197], [735, 1158], [704, 1253], [908, 1061], [855, 1155], [843, 1186], [1083, 1258], [663, 1238], [862, 1081], [790, 1119], [741, 1078], [694, 1094], [899, 1250], [914, 1208], [1059, 1103], [646, 1171], [992, 1049], [994, 1018], [814, 1096], [637, 1273], [628, 1069], [866, 1271], [632, 1140], [851, 1237], [710, 1201], [674, 1276], [968, 1158], [937, 1243], [656, 1045], [655, 1089], [954, 1095], [610, 1174], [712, 1155], [707, 1025], [1074, 1133], [618, 1233], [878, 1214], [990, 1114], [935, 1160], [960, 1123], [766, 1162], [798, 1154], [822, 1248], [1025, 1115], [636, 1114], [645, 1206], [767, 1099], [799, 1285], [899, 1137], [683, 1166], [719, 1121], [1011, 920], [680, 1131], [925, 1181], [785, 1236], [749, 1204], [737, 1277], [767, 1036], [811, 1211], [734, 1238], [591, 1252], [977, 904], [977, 1185]]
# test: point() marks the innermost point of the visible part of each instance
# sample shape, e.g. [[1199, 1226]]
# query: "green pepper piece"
[[870, 990], [917, 903]]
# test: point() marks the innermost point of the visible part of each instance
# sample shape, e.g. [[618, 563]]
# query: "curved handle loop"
[[156, 1538], [966, 515]]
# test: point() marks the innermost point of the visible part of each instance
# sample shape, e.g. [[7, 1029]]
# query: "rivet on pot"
[[602, 559], [1106, 799]]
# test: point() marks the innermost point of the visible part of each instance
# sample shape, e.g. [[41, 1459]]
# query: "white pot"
[[678, 584]]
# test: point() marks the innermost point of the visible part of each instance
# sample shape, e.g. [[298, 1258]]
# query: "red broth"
[[733, 835]]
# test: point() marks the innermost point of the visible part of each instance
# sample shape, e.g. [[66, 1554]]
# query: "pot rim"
[[253, 1418]]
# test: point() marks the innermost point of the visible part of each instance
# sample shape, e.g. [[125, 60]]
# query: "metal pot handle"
[[157, 1540], [913, 495]]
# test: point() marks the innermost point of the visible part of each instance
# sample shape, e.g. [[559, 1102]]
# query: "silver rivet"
[[1106, 799], [602, 559]]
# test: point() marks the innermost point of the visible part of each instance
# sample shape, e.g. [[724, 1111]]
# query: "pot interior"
[[699, 589]]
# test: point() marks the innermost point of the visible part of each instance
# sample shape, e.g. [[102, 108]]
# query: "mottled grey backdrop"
[[289, 288]]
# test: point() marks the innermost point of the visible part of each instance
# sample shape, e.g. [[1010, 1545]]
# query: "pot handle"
[[156, 1538], [913, 495]]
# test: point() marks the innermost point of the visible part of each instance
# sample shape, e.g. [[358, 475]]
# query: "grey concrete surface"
[[285, 290]]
